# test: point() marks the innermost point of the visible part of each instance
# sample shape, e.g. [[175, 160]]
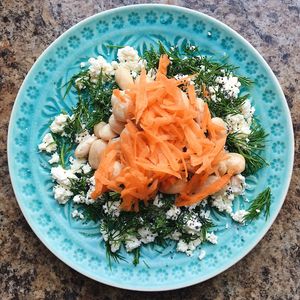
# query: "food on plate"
[[157, 143]]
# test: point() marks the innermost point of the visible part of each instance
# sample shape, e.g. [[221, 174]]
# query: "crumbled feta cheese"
[[62, 176], [230, 85], [112, 208], [62, 194], [193, 225], [175, 235], [98, 65], [82, 64], [212, 238], [79, 83], [247, 111], [59, 123], [238, 184], [48, 144], [239, 216], [129, 58], [127, 53], [202, 254], [147, 236], [115, 246], [180, 76], [157, 201], [54, 158], [76, 164], [222, 203], [182, 246], [86, 168], [132, 243], [78, 199], [188, 248], [222, 200], [237, 123], [173, 213], [82, 136], [77, 214]]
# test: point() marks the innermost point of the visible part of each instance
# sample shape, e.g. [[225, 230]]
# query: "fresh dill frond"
[[261, 203], [113, 256], [245, 81], [249, 147], [136, 256], [207, 224], [225, 106]]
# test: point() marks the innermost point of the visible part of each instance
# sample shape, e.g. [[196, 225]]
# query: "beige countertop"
[[28, 270]]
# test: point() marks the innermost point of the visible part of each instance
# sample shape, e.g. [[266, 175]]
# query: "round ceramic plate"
[[40, 99]]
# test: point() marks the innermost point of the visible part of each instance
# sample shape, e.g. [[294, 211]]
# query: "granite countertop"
[[28, 270]]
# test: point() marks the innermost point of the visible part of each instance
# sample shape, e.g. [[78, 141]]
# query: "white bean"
[[200, 108], [185, 99], [106, 133], [123, 78], [175, 188], [116, 125], [117, 167], [236, 163], [219, 122], [120, 111], [95, 153], [97, 129], [82, 150]]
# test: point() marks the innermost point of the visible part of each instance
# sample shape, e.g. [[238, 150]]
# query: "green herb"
[[249, 147], [136, 256], [113, 256], [261, 203]]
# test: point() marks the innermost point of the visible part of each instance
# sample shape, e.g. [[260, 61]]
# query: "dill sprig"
[[94, 102], [249, 147], [113, 256], [261, 203]]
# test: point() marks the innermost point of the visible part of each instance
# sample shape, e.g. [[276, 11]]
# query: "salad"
[[156, 142]]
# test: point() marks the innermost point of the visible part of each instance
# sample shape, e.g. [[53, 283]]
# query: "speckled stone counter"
[[28, 270]]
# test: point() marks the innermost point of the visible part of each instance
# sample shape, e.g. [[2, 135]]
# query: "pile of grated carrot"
[[167, 142]]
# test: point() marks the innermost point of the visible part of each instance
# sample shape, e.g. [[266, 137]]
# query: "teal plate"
[[40, 99]]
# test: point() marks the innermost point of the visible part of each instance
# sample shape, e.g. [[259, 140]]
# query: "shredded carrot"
[[162, 143]]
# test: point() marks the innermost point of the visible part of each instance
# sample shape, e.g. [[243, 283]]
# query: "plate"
[[40, 99]]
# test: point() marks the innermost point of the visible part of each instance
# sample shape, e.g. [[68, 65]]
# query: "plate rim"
[[267, 226]]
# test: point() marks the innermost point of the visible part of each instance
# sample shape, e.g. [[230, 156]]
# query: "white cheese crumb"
[[62, 176], [132, 243], [188, 248], [114, 246], [78, 199], [238, 124], [48, 144], [175, 235], [239, 216], [147, 236], [62, 194], [230, 85], [54, 158], [77, 214], [157, 201], [202, 254], [173, 213], [127, 54], [212, 238], [82, 136], [86, 168], [112, 208], [59, 123], [82, 64], [98, 65]]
